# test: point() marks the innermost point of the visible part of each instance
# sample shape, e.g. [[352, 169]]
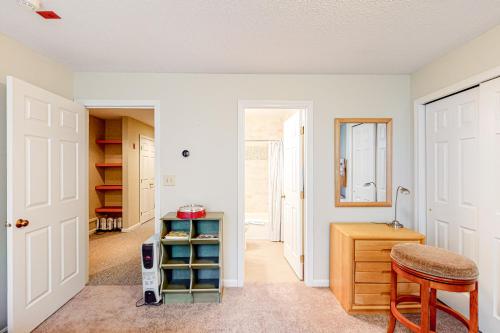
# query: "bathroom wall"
[[199, 112], [260, 124]]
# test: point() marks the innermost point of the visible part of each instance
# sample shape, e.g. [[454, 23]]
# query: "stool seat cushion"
[[434, 261]]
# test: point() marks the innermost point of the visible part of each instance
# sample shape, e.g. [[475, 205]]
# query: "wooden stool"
[[434, 269]]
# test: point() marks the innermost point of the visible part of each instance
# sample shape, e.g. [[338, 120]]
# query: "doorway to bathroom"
[[273, 182]]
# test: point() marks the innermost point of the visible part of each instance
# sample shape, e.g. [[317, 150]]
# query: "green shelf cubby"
[[191, 268], [205, 254], [176, 280], [175, 255], [206, 279]]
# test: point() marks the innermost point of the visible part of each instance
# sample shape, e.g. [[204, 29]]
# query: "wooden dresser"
[[360, 265]]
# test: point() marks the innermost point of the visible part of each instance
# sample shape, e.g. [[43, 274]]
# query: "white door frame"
[[419, 139], [307, 106], [132, 104]]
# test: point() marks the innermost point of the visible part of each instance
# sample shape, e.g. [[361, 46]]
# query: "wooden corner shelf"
[[109, 141], [109, 209], [109, 165], [109, 187]]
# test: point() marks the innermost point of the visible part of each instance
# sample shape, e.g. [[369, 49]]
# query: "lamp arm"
[[396, 204]]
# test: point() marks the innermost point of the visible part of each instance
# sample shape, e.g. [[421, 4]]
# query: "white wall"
[[199, 113], [25, 64], [474, 57]]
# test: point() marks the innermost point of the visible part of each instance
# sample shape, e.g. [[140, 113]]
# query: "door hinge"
[[302, 194], [302, 130], [302, 259]]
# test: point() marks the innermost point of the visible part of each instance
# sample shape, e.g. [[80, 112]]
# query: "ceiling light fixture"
[[34, 5]]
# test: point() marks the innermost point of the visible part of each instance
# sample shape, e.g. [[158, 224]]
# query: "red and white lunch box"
[[191, 212]]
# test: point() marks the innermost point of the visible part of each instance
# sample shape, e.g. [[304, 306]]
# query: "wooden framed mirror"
[[363, 162]]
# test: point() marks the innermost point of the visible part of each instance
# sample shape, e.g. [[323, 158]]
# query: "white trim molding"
[[307, 106], [92, 231], [320, 283], [136, 104], [230, 283]]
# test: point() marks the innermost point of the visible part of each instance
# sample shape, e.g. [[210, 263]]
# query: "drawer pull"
[[386, 293], [386, 250], [385, 271]]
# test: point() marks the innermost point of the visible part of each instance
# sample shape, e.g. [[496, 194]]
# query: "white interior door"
[[292, 189], [147, 178], [453, 195], [47, 182], [381, 163], [363, 162], [489, 217]]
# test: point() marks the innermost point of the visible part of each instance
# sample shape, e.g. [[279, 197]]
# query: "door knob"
[[20, 223]]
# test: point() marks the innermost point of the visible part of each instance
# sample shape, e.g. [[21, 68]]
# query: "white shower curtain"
[[275, 160]]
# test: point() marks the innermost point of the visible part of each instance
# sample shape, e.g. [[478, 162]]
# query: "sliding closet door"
[[453, 179], [489, 228]]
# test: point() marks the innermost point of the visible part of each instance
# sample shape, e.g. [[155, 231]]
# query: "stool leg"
[[424, 301], [473, 311], [433, 309], [394, 295]]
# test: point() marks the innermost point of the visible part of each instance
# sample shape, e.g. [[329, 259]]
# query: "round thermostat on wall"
[[185, 153]]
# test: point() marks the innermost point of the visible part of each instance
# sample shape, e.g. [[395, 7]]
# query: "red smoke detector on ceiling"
[[48, 14]]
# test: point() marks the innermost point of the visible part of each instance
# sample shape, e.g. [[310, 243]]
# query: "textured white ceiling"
[[250, 36]]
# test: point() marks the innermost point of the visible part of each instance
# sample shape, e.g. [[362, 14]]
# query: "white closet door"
[[489, 228], [453, 179]]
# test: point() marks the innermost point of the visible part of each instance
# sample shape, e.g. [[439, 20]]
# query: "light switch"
[[168, 180]]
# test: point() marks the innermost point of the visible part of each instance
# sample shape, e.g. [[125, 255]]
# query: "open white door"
[[147, 171], [47, 205], [363, 155], [292, 189]]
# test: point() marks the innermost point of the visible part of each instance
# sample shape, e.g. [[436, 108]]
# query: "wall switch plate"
[[168, 180]]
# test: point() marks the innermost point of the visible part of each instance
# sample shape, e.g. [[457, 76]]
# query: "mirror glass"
[[363, 162]]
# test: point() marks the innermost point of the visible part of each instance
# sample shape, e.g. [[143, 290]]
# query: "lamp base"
[[395, 225]]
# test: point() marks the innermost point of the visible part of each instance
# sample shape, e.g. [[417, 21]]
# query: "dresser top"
[[375, 231]]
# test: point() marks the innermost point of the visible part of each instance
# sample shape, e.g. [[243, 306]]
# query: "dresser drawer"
[[385, 288], [374, 272], [380, 294], [375, 250]]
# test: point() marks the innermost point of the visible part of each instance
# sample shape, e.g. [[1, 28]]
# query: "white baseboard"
[[230, 283], [91, 231], [319, 283], [4, 330], [129, 229]]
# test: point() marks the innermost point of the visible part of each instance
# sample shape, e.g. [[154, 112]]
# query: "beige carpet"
[[258, 307], [115, 257], [265, 263], [285, 307]]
